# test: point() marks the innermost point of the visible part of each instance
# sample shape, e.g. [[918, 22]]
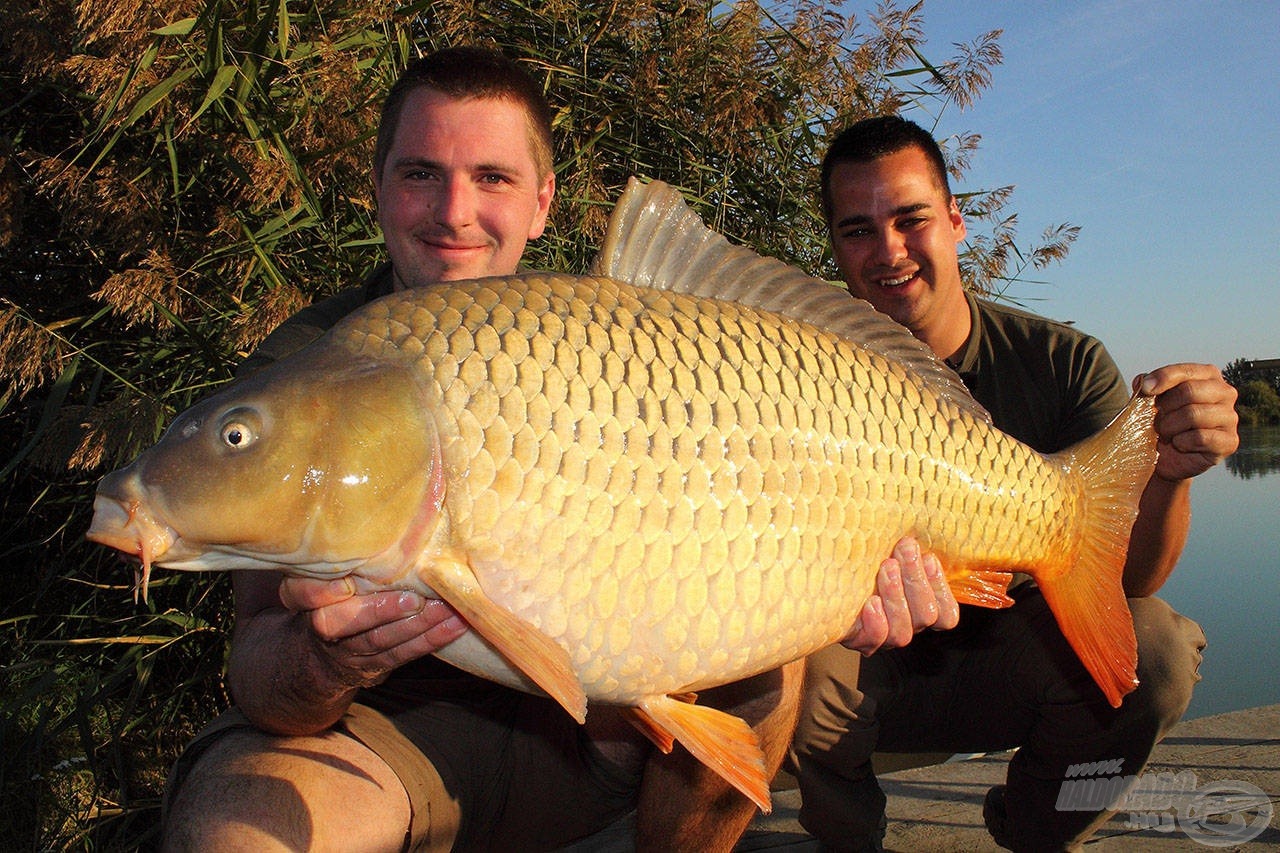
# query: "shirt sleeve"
[[301, 329]]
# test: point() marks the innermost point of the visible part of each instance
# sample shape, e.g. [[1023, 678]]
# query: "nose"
[[891, 248], [455, 203]]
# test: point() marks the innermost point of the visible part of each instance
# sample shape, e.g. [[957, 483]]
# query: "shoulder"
[[1021, 323], [314, 320], [1060, 347], [1052, 383]]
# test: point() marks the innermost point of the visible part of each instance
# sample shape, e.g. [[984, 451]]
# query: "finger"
[[443, 627], [869, 630], [1218, 443], [896, 610], [921, 599], [299, 594], [948, 608], [362, 613], [429, 629], [1196, 416], [1170, 376]]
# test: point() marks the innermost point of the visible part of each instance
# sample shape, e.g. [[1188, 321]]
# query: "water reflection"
[[1259, 453], [1228, 579]]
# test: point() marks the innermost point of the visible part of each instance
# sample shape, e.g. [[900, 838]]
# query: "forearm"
[[1159, 534], [278, 678]]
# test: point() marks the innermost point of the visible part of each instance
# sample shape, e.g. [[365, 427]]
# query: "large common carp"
[[674, 473]]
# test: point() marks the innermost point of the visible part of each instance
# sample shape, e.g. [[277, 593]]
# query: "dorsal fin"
[[655, 240]]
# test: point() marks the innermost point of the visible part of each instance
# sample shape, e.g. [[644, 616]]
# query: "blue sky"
[[1155, 126]]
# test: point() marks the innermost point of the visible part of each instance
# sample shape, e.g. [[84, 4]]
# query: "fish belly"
[[682, 491]]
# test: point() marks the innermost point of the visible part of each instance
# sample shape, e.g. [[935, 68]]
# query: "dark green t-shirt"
[[1045, 383], [313, 321]]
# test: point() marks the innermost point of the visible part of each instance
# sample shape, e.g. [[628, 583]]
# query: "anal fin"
[[983, 587]]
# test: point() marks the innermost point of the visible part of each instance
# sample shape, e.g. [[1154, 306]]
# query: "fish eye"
[[237, 435]]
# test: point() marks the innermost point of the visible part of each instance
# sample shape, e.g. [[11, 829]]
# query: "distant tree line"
[[1259, 388]]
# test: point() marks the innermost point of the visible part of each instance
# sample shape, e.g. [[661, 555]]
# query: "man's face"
[[460, 194], [894, 234]]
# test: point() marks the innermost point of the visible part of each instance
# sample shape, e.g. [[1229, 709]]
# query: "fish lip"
[[127, 526]]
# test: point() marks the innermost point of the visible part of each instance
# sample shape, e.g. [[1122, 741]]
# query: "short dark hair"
[[877, 137], [469, 72]]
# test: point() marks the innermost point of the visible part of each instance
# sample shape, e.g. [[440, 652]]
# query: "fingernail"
[[1148, 386], [932, 569], [409, 602]]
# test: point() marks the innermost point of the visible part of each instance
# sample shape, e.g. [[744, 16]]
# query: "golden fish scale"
[[683, 491]]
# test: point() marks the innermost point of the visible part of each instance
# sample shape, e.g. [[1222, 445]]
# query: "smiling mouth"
[[895, 282], [447, 247]]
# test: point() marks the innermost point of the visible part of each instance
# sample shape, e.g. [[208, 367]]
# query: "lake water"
[[1228, 579]]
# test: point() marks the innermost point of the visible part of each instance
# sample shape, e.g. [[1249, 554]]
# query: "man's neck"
[[950, 328]]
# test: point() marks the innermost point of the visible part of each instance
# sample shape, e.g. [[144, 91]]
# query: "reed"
[[176, 179]]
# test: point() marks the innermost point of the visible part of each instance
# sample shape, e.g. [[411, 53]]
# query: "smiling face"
[[894, 231], [460, 193]]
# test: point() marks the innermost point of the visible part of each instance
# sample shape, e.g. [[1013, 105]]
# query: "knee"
[[832, 710], [1170, 650], [223, 794], [249, 790]]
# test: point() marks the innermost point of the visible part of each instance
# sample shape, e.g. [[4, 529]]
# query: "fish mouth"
[[130, 529]]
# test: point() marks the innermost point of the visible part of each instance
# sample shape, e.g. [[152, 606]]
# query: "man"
[[347, 735], [463, 179], [1001, 679]]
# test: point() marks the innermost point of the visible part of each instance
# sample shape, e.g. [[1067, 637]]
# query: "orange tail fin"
[[1087, 598]]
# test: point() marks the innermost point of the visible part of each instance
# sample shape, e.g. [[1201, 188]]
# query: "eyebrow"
[[864, 219], [402, 162], [427, 163]]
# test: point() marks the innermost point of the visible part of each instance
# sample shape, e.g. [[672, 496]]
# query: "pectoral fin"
[[721, 741], [524, 646]]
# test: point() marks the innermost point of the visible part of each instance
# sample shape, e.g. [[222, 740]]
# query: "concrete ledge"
[[939, 808]]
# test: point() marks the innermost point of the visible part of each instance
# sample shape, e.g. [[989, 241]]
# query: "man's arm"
[[1196, 428], [302, 648]]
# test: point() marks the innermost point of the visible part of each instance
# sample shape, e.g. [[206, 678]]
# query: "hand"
[[365, 636], [1195, 418], [911, 595]]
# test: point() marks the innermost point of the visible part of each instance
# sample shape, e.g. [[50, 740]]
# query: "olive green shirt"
[[1045, 383]]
